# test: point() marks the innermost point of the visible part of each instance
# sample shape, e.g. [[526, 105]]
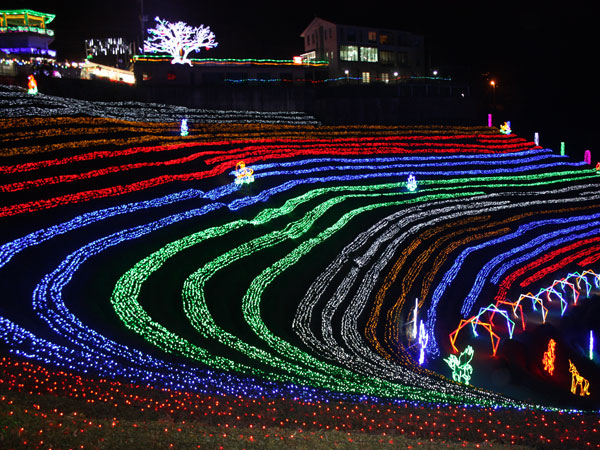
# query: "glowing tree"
[[178, 39]]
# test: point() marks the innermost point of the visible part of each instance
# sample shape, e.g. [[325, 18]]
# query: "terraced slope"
[[130, 253]]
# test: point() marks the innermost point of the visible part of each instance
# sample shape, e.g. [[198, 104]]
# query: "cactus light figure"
[[423, 340], [178, 39], [461, 366]]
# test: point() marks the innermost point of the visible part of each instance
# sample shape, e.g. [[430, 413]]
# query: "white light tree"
[[178, 39]]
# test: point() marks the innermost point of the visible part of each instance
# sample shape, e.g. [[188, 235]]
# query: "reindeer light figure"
[[578, 380]]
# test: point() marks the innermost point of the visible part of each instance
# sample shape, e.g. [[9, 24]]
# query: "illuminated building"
[[111, 51], [365, 53], [24, 34]]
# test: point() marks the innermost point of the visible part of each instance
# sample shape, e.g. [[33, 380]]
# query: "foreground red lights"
[[87, 405]]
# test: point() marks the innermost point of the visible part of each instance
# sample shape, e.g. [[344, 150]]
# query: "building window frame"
[[349, 53], [369, 54]]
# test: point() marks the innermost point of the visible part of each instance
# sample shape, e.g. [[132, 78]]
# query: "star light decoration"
[[178, 39]]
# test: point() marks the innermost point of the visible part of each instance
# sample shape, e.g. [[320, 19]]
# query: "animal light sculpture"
[[461, 366], [578, 380], [549, 357], [178, 39]]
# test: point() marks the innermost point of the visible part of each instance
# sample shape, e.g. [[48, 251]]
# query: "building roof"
[[328, 22], [49, 17]]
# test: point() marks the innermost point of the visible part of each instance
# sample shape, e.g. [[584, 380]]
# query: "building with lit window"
[[368, 54], [114, 51], [24, 34]]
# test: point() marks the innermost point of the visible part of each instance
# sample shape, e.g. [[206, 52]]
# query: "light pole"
[[493, 84]]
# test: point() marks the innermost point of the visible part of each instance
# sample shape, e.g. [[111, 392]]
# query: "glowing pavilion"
[[24, 34]]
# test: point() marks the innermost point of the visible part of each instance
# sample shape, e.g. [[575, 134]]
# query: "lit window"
[[385, 77], [349, 53], [385, 38], [366, 77], [372, 36], [171, 76], [368, 54], [386, 57]]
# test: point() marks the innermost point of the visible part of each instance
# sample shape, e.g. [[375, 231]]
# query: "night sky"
[[540, 55]]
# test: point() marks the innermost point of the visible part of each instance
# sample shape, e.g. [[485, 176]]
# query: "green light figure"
[[461, 367]]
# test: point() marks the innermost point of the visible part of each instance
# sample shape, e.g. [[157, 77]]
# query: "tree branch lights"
[[578, 381], [549, 357], [178, 40], [243, 174], [461, 365]]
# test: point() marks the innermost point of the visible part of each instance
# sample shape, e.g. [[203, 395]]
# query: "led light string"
[[17, 186], [113, 190], [558, 175], [319, 289], [86, 252], [152, 265], [537, 298], [536, 245], [451, 274], [15, 103]]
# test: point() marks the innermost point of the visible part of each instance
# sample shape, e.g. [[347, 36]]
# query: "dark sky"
[[541, 55]]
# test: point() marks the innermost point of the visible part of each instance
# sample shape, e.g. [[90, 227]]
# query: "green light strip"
[[127, 289]]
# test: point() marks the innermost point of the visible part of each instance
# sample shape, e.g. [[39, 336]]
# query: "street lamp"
[[347, 72], [493, 84]]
